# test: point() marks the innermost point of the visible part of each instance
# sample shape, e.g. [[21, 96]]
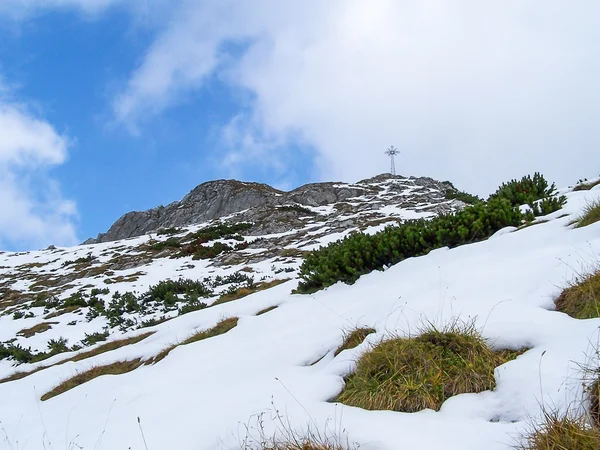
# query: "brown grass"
[[245, 291], [581, 298], [586, 186], [116, 368], [561, 432], [354, 338], [109, 346], [220, 328], [412, 374], [39, 328], [591, 214], [60, 312], [266, 310]]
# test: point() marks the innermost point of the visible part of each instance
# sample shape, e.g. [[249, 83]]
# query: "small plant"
[[412, 374], [94, 338], [561, 432], [169, 231], [354, 338], [581, 298], [591, 214]]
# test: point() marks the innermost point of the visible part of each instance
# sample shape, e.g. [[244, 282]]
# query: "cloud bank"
[[476, 92], [34, 213]]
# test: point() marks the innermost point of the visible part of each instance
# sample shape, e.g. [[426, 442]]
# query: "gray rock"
[[266, 206]]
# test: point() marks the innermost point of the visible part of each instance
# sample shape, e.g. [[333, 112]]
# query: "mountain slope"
[[211, 393]]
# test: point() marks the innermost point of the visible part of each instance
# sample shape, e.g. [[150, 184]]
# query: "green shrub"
[[169, 231], [94, 338], [171, 242], [529, 191], [358, 253], [462, 196]]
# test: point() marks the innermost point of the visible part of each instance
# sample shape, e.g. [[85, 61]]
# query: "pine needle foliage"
[[412, 374], [358, 253], [581, 299]]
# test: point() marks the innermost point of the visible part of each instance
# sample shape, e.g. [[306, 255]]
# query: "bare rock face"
[[271, 210]]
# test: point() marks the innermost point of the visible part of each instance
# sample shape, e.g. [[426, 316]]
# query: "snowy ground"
[[204, 395]]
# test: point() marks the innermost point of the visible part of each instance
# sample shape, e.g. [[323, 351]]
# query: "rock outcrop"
[[265, 205]]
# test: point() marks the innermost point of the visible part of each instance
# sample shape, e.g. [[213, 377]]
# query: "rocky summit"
[[357, 204]]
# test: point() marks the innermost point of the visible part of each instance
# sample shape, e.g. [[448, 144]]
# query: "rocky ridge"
[[216, 199]]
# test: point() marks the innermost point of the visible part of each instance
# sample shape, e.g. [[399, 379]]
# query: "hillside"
[[272, 364]]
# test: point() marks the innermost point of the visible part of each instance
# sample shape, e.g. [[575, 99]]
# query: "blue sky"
[[108, 106]]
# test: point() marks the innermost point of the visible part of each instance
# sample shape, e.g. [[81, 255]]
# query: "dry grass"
[[591, 214], [286, 438], [354, 338], [39, 328], [412, 374], [266, 310], [561, 432], [116, 368], [245, 291], [109, 346], [586, 186], [581, 298], [220, 328]]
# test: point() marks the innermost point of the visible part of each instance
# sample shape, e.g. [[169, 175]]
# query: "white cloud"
[[34, 213], [473, 91]]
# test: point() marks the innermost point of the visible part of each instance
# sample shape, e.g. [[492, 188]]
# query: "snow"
[[203, 395]]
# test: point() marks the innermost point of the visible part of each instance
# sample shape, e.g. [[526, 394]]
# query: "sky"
[[108, 106]]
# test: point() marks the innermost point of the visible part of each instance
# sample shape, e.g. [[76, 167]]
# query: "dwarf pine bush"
[[358, 253]]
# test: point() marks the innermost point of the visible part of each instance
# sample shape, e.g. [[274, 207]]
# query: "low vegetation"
[[584, 185], [235, 292], [581, 298], [116, 368], [39, 328], [354, 338], [358, 253], [221, 327], [562, 432], [110, 346], [464, 197], [411, 374], [591, 214]]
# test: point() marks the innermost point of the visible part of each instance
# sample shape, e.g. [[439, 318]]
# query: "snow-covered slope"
[[279, 367]]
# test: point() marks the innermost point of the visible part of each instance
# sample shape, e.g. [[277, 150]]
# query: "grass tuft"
[[586, 186], [266, 310], [412, 374], [220, 328], [354, 338], [116, 368], [581, 298], [81, 356], [242, 292], [591, 214], [561, 432], [39, 328]]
